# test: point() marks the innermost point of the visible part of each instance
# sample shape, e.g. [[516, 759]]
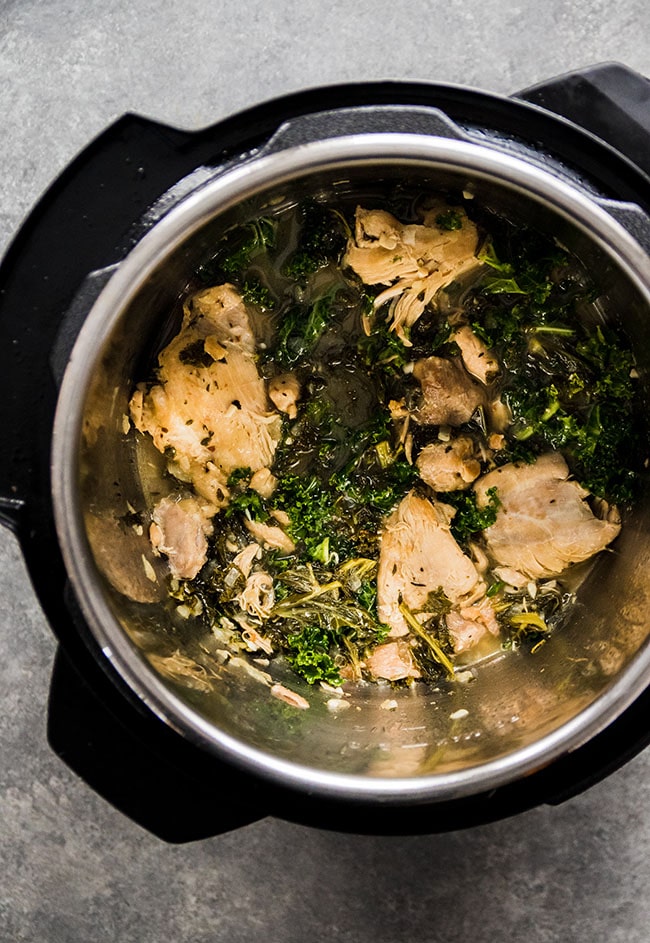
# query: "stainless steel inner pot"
[[521, 711]]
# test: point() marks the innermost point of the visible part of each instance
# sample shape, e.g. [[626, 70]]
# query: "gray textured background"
[[71, 868]]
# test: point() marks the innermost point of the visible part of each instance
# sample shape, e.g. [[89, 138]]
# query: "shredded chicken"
[[468, 625], [254, 640], [544, 523], [449, 466], [500, 418], [245, 558], [418, 555], [289, 697], [181, 668], [281, 517], [392, 661], [269, 536], [284, 393], [179, 529], [510, 576], [449, 395], [416, 260], [264, 482], [479, 558], [477, 358], [257, 598], [211, 414], [220, 313], [496, 441]]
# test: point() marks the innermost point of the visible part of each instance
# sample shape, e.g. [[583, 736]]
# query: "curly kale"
[[253, 238], [342, 514], [250, 505], [587, 414], [322, 238], [300, 329], [308, 653], [254, 292], [236, 251], [382, 349], [449, 220], [569, 386], [469, 518]]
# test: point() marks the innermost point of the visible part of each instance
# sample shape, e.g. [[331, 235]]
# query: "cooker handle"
[[608, 99], [74, 317], [631, 217], [363, 119], [12, 502]]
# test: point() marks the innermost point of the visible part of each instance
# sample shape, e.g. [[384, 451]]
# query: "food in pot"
[[393, 434]]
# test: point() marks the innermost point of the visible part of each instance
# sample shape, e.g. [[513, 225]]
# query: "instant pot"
[[83, 289]]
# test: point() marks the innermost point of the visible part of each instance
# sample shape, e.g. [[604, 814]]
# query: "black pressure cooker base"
[[87, 221]]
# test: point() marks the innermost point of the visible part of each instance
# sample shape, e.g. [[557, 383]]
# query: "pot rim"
[[238, 183]]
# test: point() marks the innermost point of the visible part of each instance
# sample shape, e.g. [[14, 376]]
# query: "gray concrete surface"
[[72, 869]]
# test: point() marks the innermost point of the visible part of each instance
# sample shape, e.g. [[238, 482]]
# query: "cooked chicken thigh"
[[544, 523], [209, 408], [449, 466], [477, 358], [469, 625], [416, 260], [392, 661], [284, 393], [449, 395], [179, 530], [418, 555]]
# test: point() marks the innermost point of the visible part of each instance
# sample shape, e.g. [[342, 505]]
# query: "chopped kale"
[[430, 335], [256, 293], [469, 518], [533, 260], [321, 240], [300, 329], [382, 490], [341, 514], [568, 385], [250, 504], [310, 508], [587, 413], [382, 348], [237, 476], [367, 596], [253, 238], [450, 220], [308, 653], [438, 602]]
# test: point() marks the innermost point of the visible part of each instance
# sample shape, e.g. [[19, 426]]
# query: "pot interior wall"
[[515, 698]]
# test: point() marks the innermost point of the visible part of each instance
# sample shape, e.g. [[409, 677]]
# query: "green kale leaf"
[[250, 504], [321, 240], [308, 654], [300, 329], [249, 240], [382, 348], [469, 518], [449, 220]]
